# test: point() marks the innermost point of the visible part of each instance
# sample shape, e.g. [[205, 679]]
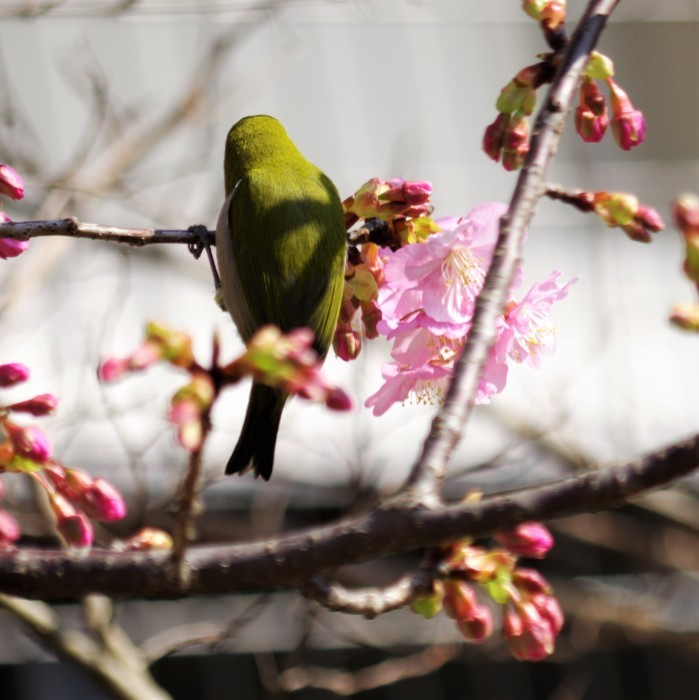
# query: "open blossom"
[[528, 332], [427, 301]]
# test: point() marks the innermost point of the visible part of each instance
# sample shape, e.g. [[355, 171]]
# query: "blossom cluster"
[[74, 497], [11, 186], [283, 361], [422, 297], [531, 615]]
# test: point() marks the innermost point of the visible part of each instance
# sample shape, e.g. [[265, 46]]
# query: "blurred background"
[[116, 112]]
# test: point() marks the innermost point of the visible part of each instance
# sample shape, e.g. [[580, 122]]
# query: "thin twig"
[[377, 676], [447, 427], [78, 229]]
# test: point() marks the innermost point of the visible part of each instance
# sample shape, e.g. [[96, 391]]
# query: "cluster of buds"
[[389, 201], [286, 362], [550, 13], [623, 210], [531, 615], [11, 186], [73, 495], [685, 213], [389, 213], [618, 210], [592, 116], [507, 138]]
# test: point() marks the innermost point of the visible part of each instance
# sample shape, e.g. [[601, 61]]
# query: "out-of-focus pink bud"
[[11, 247], [527, 540], [13, 374], [649, 218], [103, 502], [685, 213], [550, 610], [686, 317], [41, 405], [338, 400], [112, 369], [347, 342], [11, 184], [148, 538], [71, 524], [478, 626], [530, 581], [494, 136], [371, 315], [528, 635], [628, 124], [185, 414], [145, 356], [9, 530], [30, 442], [591, 117]]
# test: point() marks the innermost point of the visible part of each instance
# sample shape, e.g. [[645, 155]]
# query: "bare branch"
[[290, 560], [77, 229], [449, 423]]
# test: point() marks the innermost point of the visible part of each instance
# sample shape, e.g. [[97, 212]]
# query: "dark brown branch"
[[289, 561], [78, 229], [449, 423]]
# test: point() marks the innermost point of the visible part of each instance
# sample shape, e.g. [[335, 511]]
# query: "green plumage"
[[280, 244]]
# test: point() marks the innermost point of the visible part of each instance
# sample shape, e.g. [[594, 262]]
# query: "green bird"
[[281, 248]]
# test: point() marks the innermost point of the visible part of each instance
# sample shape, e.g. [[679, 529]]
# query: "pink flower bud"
[[685, 213], [186, 414], [591, 118], [478, 626], [149, 538], [338, 400], [30, 442], [9, 530], [494, 136], [41, 405], [11, 184], [13, 374], [112, 369], [103, 502], [71, 524], [528, 635], [530, 581], [527, 540], [649, 218], [347, 342], [628, 124], [11, 247], [516, 144]]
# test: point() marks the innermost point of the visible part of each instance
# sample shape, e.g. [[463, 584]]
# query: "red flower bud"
[[11, 184], [30, 442], [101, 501], [527, 540], [494, 136], [13, 374], [41, 405], [591, 118], [72, 525], [628, 124]]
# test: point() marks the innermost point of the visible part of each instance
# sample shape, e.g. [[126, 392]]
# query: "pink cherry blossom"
[[529, 333]]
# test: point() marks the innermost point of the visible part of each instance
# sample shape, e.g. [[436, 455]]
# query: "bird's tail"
[[255, 448]]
